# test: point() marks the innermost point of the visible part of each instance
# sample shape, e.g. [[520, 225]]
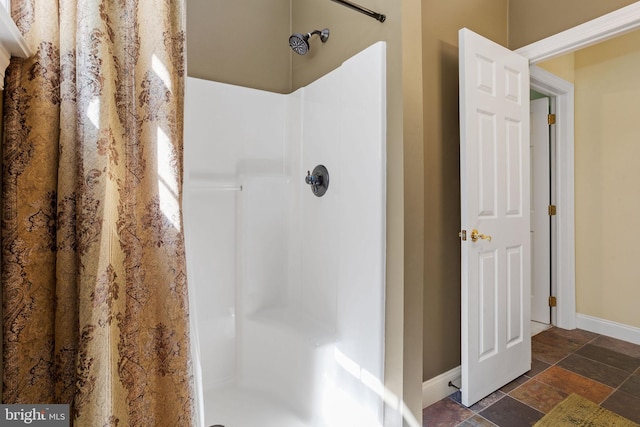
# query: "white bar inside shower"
[[287, 288]]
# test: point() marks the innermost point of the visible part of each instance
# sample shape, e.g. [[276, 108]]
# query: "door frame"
[[607, 26], [597, 30]]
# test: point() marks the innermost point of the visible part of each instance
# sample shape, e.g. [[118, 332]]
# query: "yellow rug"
[[577, 411]]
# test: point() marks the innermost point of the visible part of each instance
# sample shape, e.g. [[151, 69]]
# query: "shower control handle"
[[318, 180], [311, 179], [315, 181]]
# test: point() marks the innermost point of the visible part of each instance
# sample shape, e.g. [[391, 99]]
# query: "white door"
[[494, 181], [540, 219]]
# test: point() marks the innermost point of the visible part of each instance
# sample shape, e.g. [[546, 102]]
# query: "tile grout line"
[[556, 364], [544, 370], [613, 389], [619, 385], [580, 375], [602, 363], [606, 348], [478, 414]]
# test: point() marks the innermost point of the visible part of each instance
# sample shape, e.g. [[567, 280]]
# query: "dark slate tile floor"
[[602, 369]]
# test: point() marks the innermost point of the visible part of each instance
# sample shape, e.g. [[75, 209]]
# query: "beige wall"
[[532, 20], [240, 42], [441, 22], [607, 149], [350, 33], [562, 66]]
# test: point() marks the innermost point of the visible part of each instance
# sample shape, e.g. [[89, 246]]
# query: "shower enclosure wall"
[[287, 288]]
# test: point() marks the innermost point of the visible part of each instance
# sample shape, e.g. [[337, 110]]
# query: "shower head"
[[300, 43]]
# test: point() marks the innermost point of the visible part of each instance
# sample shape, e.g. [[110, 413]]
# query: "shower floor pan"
[[233, 406], [282, 381]]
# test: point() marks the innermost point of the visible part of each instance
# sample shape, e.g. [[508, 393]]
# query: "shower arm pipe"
[[377, 16]]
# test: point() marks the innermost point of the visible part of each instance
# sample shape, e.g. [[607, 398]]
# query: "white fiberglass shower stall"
[[287, 288]]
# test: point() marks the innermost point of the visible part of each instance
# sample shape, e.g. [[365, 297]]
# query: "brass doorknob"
[[475, 235]]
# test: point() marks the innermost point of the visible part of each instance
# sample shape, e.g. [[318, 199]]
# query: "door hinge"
[[552, 210], [553, 302], [551, 119], [463, 235]]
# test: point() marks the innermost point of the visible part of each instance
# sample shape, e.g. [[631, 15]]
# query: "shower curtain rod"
[[377, 16]]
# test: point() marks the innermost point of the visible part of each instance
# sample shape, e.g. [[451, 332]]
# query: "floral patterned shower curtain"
[[95, 310]]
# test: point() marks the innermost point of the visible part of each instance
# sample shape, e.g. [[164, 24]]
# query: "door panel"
[[515, 285], [486, 164], [494, 181], [488, 299], [514, 168]]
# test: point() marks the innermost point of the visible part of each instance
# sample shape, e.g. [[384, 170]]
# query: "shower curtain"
[[95, 306]]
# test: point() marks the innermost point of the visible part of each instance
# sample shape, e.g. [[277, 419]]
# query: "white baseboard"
[[608, 328], [438, 387]]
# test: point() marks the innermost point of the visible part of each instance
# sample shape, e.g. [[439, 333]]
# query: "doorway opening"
[[562, 276], [542, 182]]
